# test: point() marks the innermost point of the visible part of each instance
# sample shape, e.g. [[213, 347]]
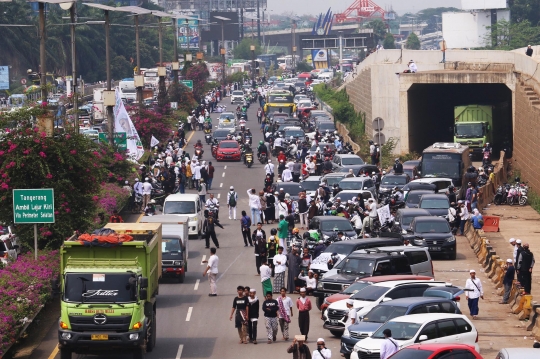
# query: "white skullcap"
[[512, 240], [472, 271], [302, 290], [509, 260], [518, 241]]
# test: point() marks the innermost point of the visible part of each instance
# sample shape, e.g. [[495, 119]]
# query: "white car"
[[311, 185], [237, 96], [420, 328]]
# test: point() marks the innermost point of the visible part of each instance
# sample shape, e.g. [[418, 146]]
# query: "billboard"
[[483, 4], [468, 29], [320, 59], [4, 77], [188, 33], [231, 29]]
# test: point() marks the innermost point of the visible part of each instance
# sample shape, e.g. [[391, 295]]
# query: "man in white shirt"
[[322, 352], [286, 176], [311, 281], [285, 312], [254, 205], [269, 169], [212, 270], [473, 293], [196, 171], [280, 266], [412, 67], [232, 202], [278, 144], [213, 201], [464, 214], [389, 346], [266, 274], [147, 192], [351, 317]]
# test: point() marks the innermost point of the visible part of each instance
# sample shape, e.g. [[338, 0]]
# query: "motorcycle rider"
[[248, 136], [281, 157], [199, 146], [262, 149], [327, 165], [398, 194], [398, 167], [247, 149]]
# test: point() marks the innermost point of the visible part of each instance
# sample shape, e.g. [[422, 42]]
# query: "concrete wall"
[[360, 96]]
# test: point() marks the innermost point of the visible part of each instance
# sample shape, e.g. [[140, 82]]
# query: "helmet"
[[487, 144], [273, 231], [383, 172], [295, 231], [292, 138], [335, 132], [261, 142], [238, 138], [306, 236]]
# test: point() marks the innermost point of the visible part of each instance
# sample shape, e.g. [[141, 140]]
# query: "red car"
[[436, 351], [228, 150]]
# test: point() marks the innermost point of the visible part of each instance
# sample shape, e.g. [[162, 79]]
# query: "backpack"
[[232, 199]]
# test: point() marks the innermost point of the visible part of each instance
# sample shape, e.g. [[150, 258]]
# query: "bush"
[[148, 124], [25, 287]]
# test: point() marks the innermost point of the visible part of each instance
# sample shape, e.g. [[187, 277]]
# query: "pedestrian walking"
[[245, 225], [259, 241], [280, 265], [212, 271], [283, 231], [474, 293], [254, 205], [525, 264], [389, 345], [209, 228], [285, 312], [232, 200], [241, 306], [508, 280], [266, 274], [299, 349], [270, 309], [147, 192], [211, 171], [293, 264], [272, 248], [202, 191], [253, 315], [322, 352], [303, 304]]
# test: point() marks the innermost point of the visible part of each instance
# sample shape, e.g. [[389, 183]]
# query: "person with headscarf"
[[350, 174], [270, 211]]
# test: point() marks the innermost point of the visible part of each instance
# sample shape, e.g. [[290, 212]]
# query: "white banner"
[[154, 141], [122, 123], [384, 214]]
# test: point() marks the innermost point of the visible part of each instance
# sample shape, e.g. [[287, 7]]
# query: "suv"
[[404, 218], [330, 225], [436, 204], [413, 197], [367, 298], [342, 160], [388, 182], [420, 328], [390, 310], [435, 234], [237, 96], [441, 184], [374, 262], [356, 183]]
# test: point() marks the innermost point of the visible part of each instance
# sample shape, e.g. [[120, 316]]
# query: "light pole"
[[259, 21], [222, 49], [252, 48], [340, 49], [71, 6]]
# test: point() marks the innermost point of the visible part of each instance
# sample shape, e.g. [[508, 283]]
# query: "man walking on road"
[[299, 349], [259, 240], [283, 231], [253, 315], [147, 192], [285, 312], [254, 205], [280, 265], [270, 309], [245, 223], [303, 304], [525, 264], [474, 293], [232, 200], [211, 171], [266, 274], [212, 270], [241, 305], [389, 345], [210, 224], [508, 280]]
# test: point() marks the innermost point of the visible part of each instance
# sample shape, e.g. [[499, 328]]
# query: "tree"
[[522, 10], [243, 50], [413, 43], [199, 74], [507, 36], [303, 66], [389, 41], [379, 29]]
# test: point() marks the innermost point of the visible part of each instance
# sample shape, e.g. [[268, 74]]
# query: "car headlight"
[[451, 239], [320, 285], [177, 263], [345, 286], [134, 336], [66, 336], [403, 231], [346, 333], [419, 242]]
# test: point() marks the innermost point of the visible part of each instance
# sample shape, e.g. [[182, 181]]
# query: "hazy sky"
[[315, 7]]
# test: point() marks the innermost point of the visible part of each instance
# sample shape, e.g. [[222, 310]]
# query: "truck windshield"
[[357, 266], [469, 130], [99, 288], [179, 207], [170, 245], [441, 169]]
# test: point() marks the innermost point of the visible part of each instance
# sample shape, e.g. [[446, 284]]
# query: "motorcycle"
[[263, 158], [500, 195], [514, 195], [214, 148], [486, 158], [208, 138], [198, 152], [248, 159]]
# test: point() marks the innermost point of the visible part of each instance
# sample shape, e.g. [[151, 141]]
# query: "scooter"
[[248, 159], [198, 152], [263, 158], [500, 195], [208, 138]]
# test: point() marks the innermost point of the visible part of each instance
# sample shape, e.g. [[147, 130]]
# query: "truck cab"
[[473, 126]]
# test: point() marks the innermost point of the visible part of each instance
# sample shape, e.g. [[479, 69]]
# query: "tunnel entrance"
[[431, 112]]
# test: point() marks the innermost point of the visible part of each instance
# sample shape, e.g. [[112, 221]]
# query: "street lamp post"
[[252, 48], [42, 54], [340, 49], [222, 50], [259, 21], [110, 115]]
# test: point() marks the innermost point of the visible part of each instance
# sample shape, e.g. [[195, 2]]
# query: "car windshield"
[[394, 180], [293, 190], [356, 287], [332, 225], [400, 330], [435, 204], [170, 245], [221, 133], [331, 180], [300, 84], [351, 184], [310, 185], [225, 124], [238, 93], [432, 227], [323, 126], [351, 161], [372, 292], [352, 195], [226, 114], [100, 287], [469, 130], [406, 220], [294, 133], [340, 248], [179, 207], [322, 147], [441, 169], [414, 197], [228, 145], [384, 313]]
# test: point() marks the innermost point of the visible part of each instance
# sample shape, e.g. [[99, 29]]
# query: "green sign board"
[[120, 139], [187, 83], [33, 205]]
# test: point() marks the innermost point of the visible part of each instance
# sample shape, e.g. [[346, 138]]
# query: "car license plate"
[[334, 322], [434, 248], [99, 337]]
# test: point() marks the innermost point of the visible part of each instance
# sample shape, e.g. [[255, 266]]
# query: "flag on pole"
[[154, 141]]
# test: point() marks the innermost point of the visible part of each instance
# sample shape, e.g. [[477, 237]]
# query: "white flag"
[[123, 123], [154, 141]]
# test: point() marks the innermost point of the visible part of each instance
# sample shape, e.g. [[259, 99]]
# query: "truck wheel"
[[138, 353], [182, 277], [336, 333], [151, 336], [65, 353]]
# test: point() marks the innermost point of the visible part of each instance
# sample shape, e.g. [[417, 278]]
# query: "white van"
[[189, 205], [326, 76]]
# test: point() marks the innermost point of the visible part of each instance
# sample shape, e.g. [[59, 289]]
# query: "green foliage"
[[379, 29], [508, 36], [522, 10], [243, 50], [182, 95], [413, 43], [389, 41], [387, 150], [303, 66], [237, 77], [199, 74]]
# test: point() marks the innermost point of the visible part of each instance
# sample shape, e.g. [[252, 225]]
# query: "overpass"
[[417, 109]]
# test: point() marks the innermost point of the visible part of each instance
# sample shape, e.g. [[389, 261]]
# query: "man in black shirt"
[[241, 305], [270, 309], [210, 229], [253, 315]]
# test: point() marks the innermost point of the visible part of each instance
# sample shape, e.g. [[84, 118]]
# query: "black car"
[[389, 181], [403, 219], [292, 188], [330, 225], [435, 234], [413, 197], [221, 135], [324, 126], [369, 169], [419, 185], [436, 204]]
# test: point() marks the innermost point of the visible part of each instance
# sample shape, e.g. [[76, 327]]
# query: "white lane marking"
[[230, 265], [179, 353], [225, 167], [203, 259], [220, 185], [218, 195], [197, 284], [223, 174], [188, 316]]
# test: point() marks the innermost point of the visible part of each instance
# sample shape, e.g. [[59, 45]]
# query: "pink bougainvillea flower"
[[42, 154], [49, 176]]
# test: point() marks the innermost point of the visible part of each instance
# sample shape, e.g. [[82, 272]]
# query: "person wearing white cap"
[[322, 352], [508, 280], [351, 317], [146, 191], [412, 67], [269, 169], [311, 281], [253, 315], [232, 201], [517, 249], [474, 293], [303, 304]]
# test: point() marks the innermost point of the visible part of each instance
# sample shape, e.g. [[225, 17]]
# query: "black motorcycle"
[[501, 194]]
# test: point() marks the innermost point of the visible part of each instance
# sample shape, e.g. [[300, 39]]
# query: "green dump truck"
[[109, 292], [473, 126]]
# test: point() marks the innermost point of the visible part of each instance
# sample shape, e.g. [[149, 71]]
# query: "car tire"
[[452, 256], [336, 333], [65, 353]]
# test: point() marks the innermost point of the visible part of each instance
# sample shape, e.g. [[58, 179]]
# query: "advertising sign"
[[4, 78], [33, 205], [188, 33], [320, 59]]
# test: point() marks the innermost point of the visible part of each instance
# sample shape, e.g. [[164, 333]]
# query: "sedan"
[[228, 150], [221, 135], [390, 181], [451, 350]]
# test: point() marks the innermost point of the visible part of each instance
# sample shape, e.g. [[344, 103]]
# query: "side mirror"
[[338, 271], [422, 338], [143, 294], [386, 299], [148, 309], [144, 282]]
